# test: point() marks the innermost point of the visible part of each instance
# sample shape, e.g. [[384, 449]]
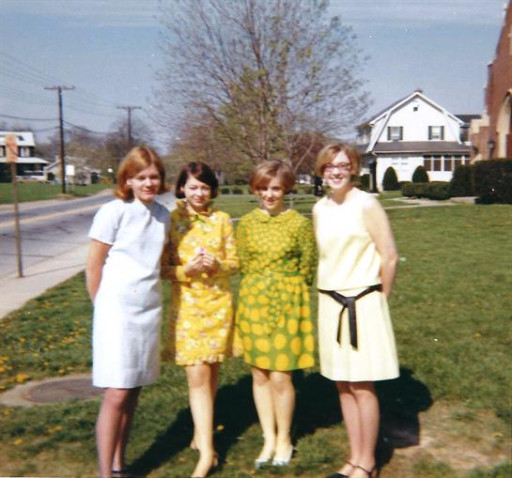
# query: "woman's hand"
[[195, 266], [210, 263]]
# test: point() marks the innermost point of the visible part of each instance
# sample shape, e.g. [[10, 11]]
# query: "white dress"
[[348, 263], [127, 307]]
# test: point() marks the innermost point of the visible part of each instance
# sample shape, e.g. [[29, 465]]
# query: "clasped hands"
[[203, 261]]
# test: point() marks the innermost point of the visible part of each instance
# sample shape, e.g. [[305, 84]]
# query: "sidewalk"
[[40, 277]]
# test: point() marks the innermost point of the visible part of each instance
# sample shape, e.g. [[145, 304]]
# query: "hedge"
[[490, 180], [439, 190]]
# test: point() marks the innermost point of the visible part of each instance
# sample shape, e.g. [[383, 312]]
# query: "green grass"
[[451, 310], [40, 191]]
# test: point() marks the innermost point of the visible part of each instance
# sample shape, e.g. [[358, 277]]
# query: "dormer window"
[[436, 133], [395, 133]]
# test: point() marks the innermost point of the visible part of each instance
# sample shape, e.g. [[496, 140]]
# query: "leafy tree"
[[260, 75]]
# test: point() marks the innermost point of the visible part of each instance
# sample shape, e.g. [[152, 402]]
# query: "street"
[[49, 229]]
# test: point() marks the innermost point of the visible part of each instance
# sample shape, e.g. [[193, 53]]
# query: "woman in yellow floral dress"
[[277, 258], [199, 257]]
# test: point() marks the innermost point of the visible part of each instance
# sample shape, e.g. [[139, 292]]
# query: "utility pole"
[[60, 89], [129, 110]]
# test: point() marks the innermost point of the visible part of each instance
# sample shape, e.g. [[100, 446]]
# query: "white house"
[[28, 166], [414, 131]]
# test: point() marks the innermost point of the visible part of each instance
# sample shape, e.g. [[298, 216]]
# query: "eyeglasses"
[[329, 167]]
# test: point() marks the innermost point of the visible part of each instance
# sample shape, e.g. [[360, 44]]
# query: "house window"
[[427, 164], [437, 165], [436, 133], [395, 133], [448, 164]]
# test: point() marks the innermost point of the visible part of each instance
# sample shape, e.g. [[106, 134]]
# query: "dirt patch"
[[459, 437]]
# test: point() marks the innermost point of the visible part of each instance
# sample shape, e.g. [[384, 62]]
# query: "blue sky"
[[108, 50]]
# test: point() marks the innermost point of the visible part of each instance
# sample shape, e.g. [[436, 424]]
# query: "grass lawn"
[[40, 191], [451, 309]]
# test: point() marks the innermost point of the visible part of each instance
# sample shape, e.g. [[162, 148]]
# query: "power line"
[[28, 119]]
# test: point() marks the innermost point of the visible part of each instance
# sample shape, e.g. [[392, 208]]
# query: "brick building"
[[491, 135]]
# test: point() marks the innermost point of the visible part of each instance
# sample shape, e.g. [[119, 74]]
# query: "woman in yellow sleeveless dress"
[[199, 257], [356, 270], [277, 258]]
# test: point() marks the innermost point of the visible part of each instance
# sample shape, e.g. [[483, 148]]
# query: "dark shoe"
[[342, 475], [369, 472]]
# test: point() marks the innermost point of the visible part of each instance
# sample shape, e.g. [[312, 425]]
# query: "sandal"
[[368, 472], [342, 475]]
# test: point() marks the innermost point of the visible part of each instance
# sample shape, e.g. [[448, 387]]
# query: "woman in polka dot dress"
[[277, 255]]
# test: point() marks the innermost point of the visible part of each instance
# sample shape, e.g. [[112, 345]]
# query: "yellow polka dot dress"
[[277, 260], [201, 325]]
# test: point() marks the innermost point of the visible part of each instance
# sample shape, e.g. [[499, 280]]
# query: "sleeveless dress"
[[277, 258], [201, 325], [349, 263], [127, 307]]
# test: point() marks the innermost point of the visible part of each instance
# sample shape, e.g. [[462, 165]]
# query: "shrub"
[[224, 190], [462, 182], [491, 179], [237, 190], [420, 175], [364, 181], [439, 190], [390, 180]]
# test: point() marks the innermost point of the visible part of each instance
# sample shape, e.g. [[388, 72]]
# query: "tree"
[[260, 74]]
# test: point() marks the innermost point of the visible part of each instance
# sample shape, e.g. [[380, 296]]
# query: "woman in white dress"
[[123, 268], [356, 271]]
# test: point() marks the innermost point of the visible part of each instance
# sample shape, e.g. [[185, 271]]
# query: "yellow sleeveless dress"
[[349, 263]]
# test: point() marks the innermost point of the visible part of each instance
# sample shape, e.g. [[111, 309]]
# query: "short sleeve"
[[106, 222]]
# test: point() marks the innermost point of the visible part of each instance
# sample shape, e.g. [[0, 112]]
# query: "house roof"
[[402, 101], [25, 138], [468, 118], [421, 147], [30, 160]]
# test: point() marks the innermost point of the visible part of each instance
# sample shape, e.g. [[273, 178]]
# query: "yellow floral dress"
[[277, 258], [201, 326]]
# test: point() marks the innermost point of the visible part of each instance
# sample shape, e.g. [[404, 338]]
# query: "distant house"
[[77, 171], [491, 134], [28, 166], [414, 131]]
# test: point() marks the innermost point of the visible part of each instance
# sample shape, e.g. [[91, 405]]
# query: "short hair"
[[267, 170], [138, 159], [327, 154], [202, 172]]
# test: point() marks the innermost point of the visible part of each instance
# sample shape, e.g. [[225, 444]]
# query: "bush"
[[420, 175], [390, 180], [438, 190], [492, 180], [224, 190], [364, 181], [462, 182], [237, 190]]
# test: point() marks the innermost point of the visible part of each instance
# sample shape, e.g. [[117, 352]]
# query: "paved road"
[[54, 245]]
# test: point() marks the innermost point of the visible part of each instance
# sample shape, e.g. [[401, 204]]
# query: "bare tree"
[[260, 74]]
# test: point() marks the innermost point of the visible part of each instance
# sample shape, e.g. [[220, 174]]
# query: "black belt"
[[350, 303]]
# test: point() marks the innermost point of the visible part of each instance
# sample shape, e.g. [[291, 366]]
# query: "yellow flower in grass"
[[18, 441], [22, 377]]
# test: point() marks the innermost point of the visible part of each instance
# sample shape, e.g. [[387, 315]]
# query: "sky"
[[108, 50]]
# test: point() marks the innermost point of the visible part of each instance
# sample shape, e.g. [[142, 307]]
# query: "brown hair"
[[202, 172], [264, 172], [134, 162], [327, 154]]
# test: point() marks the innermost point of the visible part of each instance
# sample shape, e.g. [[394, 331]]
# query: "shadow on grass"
[[400, 400], [234, 409]]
